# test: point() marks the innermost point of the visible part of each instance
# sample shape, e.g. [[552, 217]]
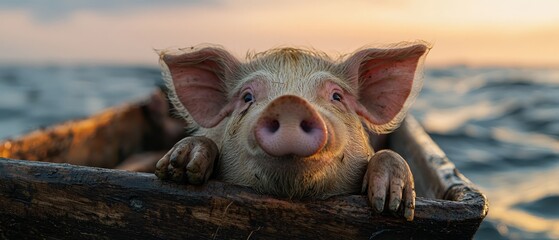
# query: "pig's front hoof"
[[389, 184], [191, 161]]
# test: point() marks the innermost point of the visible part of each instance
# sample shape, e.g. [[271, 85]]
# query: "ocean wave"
[[545, 207]]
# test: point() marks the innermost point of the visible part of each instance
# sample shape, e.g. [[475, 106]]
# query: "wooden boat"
[[71, 190]]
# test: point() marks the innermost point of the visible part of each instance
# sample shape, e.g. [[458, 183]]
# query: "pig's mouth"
[[294, 163], [292, 175], [290, 160], [299, 177]]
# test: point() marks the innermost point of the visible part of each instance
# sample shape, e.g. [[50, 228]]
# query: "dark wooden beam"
[[53, 200]]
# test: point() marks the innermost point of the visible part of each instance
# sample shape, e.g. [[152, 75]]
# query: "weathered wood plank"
[[82, 141], [104, 139], [49, 200]]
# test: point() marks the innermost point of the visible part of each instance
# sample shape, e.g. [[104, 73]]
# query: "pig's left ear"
[[387, 83]]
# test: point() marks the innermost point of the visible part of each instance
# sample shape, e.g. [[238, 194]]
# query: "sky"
[[473, 32]]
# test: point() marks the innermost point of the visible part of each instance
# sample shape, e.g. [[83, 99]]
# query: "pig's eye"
[[337, 97], [248, 97]]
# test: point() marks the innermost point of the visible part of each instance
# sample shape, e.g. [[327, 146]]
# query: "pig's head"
[[293, 122]]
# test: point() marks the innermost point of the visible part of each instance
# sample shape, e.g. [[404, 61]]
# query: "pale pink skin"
[[294, 123], [290, 126]]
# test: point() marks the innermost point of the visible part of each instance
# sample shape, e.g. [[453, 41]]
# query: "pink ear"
[[197, 78], [388, 81]]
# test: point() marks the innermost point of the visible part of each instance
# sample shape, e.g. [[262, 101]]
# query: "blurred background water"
[[500, 126]]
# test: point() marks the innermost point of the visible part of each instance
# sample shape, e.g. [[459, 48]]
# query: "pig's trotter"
[[190, 161], [389, 184]]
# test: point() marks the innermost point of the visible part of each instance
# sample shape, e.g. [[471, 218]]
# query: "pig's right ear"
[[387, 82], [196, 79]]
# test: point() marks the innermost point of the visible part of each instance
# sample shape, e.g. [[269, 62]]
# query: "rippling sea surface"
[[500, 126]]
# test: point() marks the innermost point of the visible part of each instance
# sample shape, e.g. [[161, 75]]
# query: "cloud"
[[59, 10]]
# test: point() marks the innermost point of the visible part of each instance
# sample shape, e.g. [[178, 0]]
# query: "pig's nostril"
[[273, 126], [306, 126]]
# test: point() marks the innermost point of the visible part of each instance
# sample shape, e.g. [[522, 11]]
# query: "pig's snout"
[[290, 125]]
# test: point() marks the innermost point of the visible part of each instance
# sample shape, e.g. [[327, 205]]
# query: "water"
[[36, 96], [500, 126]]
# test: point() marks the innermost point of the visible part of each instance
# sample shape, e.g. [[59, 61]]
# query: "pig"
[[295, 123]]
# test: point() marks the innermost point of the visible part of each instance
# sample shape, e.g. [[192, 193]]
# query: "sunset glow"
[[472, 32]]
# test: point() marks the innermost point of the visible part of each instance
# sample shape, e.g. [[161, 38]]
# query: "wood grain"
[[52, 200]]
